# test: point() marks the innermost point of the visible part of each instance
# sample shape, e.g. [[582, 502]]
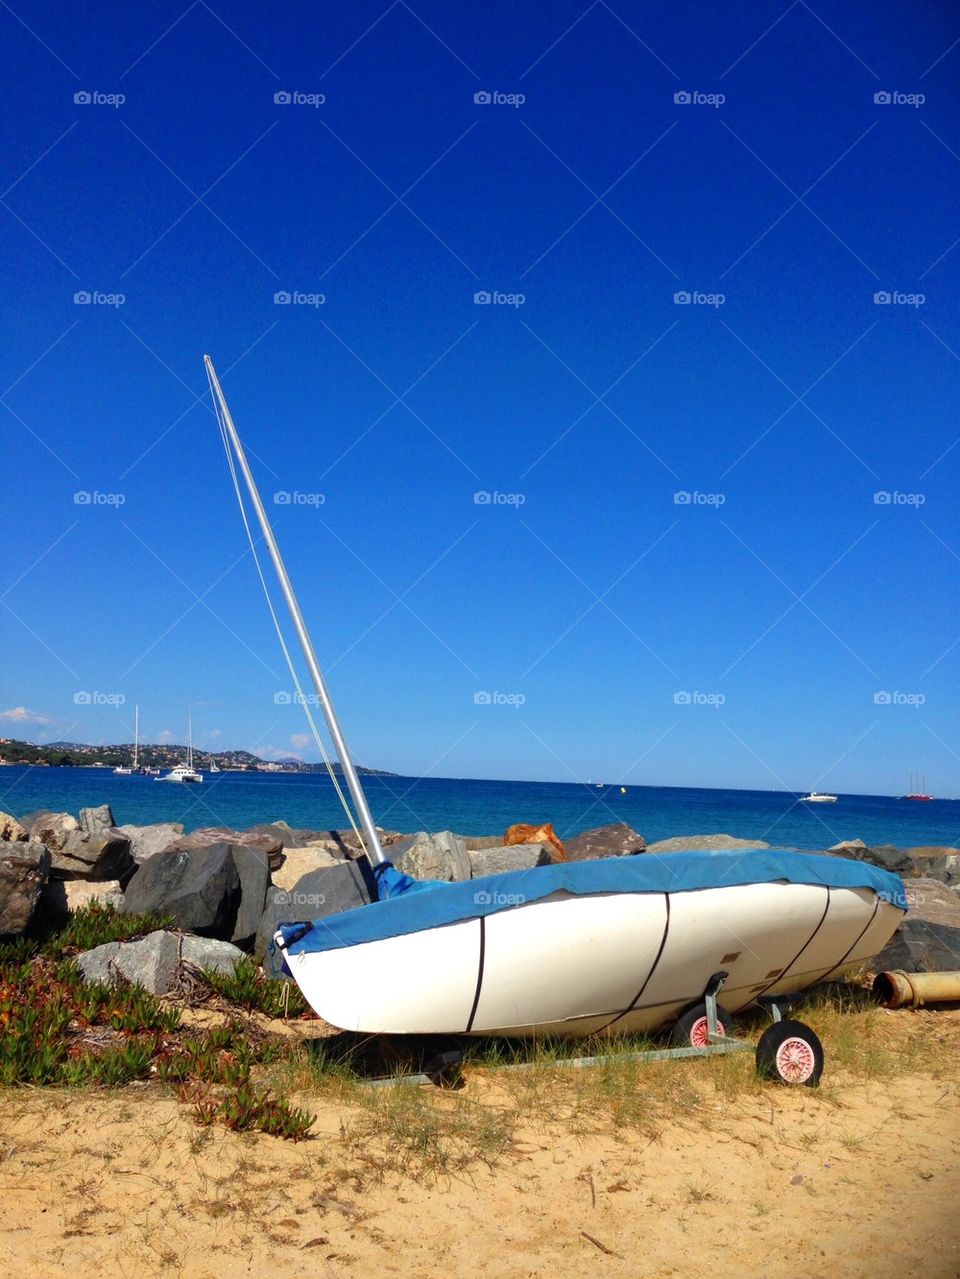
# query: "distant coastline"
[[83, 755]]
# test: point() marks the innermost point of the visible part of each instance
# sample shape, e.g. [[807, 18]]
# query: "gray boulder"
[[147, 841], [883, 855], [52, 829], [254, 871], [928, 939], [298, 862], [94, 820], [507, 857], [703, 844], [945, 867], [615, 840], [104, 854], [24, 868], [327, 891], [199, 888], [11, 832], [154, 962], [479, 843], [441, 856], [209, 836]]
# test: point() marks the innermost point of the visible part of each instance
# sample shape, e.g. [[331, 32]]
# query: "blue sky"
[[747, 636]]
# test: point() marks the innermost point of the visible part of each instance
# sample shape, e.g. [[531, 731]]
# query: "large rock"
[[102, 855], [199, 888], [24, 868], [254, 871], [883, 855], [616, 840], [441, 856], [928, 939], [506, 857], [147, 841], [209, 836], [52, 829], [327, 891], [703, 844], [95, 820], [478, 843], [298, 862], [11, 832], [154, 962], [941, 864]]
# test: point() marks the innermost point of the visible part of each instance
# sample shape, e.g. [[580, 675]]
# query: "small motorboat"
[[816, 797], [613, 945]]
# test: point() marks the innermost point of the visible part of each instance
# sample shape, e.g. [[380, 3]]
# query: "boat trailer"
[[788, 1052]]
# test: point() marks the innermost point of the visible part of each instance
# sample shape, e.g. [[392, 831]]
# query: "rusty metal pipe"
[[912, 990]]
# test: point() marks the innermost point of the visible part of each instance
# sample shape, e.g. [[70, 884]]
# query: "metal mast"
[[374, 851]]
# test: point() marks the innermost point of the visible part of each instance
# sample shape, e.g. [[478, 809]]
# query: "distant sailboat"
[[121, 770], [918, 789]]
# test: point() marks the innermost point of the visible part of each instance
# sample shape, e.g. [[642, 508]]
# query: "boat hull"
[[576, 965]]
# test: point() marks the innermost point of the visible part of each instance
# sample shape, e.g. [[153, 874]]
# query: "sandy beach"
[[665, 1171]]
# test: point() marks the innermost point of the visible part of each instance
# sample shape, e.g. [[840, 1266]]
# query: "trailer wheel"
[[691, 1029], [790, 1053]]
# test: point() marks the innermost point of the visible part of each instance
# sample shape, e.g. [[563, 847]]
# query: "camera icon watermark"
[[293, 97], [94, 297], [88, 497], [483, 698], [298, 899], [484, 898], [694, 297], [896, 698], [285, 698], [894, 98], [84, 698], [494, 98], [287, 297], [94, 98], [688, 497], [684, 698], [888, 497], [484, 497], [286, 497], [694, 98], [894, 297], [493, 297]]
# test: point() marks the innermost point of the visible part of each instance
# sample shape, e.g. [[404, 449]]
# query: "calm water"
[[484, 807]]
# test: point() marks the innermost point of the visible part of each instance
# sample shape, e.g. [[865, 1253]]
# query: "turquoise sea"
[[485, 807]]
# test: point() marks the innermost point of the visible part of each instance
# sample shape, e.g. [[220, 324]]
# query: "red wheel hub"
[[700, 1032], [795, 1060]]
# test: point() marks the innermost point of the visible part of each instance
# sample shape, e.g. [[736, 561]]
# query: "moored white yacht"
[[184, 772], [815, 797]]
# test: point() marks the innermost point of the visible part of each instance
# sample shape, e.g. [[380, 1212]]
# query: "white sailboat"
[[621, 944], [184, 772], [122, 771]]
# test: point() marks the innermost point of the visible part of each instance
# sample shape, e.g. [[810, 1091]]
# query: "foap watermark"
[[483, 497], [94, 98], [894, 98], [485, 898], [294, 297], [492, 297], [85, 698], [896, 698], [893, 297], [683, 698], [483, 698], [694, 98], [286, 497], [94, 297], [88, 497], [887, 497], [688, 297], [285, 698], [494, 98], [296, 898], [686, 497], [294, 98]]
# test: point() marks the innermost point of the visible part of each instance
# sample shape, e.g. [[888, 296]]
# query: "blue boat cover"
[[409, 906]]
